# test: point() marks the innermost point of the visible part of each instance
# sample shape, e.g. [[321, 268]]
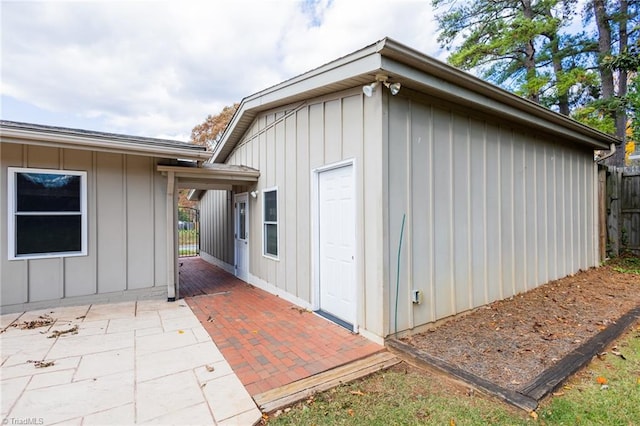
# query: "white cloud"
[[159, 67]]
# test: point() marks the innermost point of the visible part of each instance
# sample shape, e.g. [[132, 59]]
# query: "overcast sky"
[[158, 68]]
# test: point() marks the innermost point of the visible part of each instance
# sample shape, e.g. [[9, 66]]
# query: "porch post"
[[171, 229]]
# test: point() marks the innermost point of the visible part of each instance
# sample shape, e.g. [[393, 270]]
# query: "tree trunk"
[[621, 114], [563, 98], [604, 47], [530, 52], [606, 73], [556, 59]]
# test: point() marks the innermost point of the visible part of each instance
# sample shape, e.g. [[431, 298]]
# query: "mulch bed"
[[510, 342]]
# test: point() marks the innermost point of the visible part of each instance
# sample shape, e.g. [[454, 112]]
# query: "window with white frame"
[[47, 213], [270, 222]]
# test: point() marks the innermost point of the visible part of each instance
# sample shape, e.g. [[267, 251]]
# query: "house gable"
[[416, 72]]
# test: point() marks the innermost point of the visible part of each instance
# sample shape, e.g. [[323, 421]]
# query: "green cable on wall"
[[404, 216]]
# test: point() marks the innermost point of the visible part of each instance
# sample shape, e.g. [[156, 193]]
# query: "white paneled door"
[[336, 223], [241, 232]]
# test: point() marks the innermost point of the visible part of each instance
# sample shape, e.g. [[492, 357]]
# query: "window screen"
[[47, 216], [270, 221]]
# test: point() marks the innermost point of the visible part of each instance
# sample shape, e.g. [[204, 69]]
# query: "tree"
[[209, 132], [184, 201], [496, 38], [519, 45], [527, 47], [627, 63], [618, 26]]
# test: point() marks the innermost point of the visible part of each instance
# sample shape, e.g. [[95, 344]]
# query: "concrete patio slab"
[[145, 362]]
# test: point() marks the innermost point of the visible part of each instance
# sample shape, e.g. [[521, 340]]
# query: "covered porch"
[[198, 178]]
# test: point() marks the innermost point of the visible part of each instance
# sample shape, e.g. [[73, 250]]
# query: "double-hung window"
[[47, 213], [270, 223]]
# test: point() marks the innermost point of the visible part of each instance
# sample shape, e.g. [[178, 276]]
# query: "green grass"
[[407, 396], [585, 402], [396, 397]]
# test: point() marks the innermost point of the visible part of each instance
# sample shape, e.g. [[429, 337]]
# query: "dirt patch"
[[510, 342]]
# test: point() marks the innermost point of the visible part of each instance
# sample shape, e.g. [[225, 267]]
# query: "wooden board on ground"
[[528, 396], [291, 393], [552, 378], [422, 358]]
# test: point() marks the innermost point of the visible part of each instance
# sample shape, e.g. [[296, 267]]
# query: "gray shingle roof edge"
[[90, 134]]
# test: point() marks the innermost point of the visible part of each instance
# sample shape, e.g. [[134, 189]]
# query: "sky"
[[158, 68]]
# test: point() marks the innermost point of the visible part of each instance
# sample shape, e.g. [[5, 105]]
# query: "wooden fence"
[[620, 205]]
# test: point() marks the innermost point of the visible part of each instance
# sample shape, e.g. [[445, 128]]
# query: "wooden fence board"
[[623, 210]]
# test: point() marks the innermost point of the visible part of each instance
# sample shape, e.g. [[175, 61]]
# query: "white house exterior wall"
[[287, 145], [491, 211], [126, 232]]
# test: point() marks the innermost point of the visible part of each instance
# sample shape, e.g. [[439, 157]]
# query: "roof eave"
[[313, 83], [411, 57], [103, 144], [378, 57], [211, 176]]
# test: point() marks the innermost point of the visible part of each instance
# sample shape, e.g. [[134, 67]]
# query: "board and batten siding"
[[126, 232], [216, 227], [287, 145], [491, 211]]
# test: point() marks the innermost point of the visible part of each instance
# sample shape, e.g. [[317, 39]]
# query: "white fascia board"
[[390, 49], [544, 119], [428, 73], [344, 67], [221, 177], [213, 171], [363, 62], [340, 72], [94, 144]]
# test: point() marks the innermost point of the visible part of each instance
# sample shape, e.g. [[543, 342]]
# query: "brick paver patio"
[[268, 341]]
